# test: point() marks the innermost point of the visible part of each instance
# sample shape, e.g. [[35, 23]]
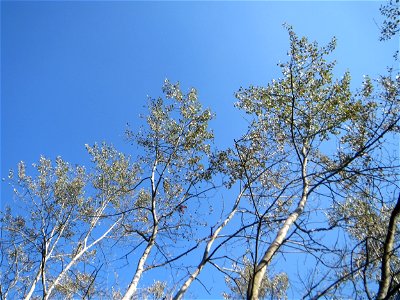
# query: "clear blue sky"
[[77, 72]]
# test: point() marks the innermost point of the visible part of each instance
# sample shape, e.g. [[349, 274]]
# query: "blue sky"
[[77, 72]]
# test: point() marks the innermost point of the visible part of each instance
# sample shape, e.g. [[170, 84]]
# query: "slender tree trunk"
[[77, 256], [384, 283], [140, 267], [189, 281], [33, 286], [255, 281], [206, 255]]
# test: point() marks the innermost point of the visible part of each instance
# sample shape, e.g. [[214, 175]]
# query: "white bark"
[[78, 255], [140, 266], [206, 256], [33, 286], [255, 282]]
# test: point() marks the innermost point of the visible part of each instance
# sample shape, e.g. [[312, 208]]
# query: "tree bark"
[[384, 283], [76, 258], [140, 267], [256, 279], [206, 255], [152, 240]]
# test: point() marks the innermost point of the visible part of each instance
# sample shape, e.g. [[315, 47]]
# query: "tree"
[[176, 149], [314, 174], [126, 206], [55, 243], [288, 148]]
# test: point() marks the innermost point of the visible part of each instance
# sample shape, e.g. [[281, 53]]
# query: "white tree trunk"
[[33, 286], [140, 266], [139, 269], [255, 281], [83, 250], [206, 256]]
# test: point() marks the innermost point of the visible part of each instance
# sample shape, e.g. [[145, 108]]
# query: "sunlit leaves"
[[158, 290], [177, 139], [56, 232], [308, 128], [306, 98], [177, 123], [391, 24], [115, 175]]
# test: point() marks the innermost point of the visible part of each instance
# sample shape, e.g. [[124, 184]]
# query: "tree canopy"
[[315, 175]]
